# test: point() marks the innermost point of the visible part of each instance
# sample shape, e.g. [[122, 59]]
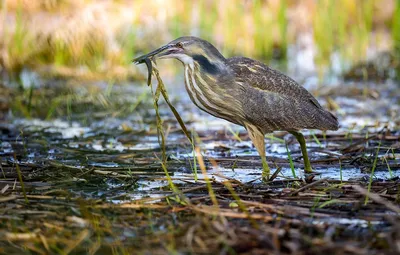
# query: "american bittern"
[[246, 92]]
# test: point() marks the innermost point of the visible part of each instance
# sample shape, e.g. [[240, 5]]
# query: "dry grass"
[[80, 33], [282, 218]]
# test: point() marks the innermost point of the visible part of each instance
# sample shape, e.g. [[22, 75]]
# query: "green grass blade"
[[372, 172], [21, 182], [291, 161]]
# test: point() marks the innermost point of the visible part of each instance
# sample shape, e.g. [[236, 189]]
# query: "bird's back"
[[282, 103]]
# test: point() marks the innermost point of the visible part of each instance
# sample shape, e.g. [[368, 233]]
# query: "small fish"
[[149, 69], [147, 60], [149, 64]]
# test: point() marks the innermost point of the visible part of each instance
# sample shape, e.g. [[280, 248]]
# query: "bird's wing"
[[283, 104], [253, 73]]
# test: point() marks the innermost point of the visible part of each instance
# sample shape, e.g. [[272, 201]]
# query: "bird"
[[246, 92]]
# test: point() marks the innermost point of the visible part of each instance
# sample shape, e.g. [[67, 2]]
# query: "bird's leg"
[[300, 138], [257, 137]]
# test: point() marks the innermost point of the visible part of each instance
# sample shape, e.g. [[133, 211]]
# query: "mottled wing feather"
[[257, 74], [283, 104]]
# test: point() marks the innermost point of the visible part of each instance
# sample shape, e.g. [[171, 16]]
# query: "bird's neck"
[[209, 62], [210, 67], [206, 84]]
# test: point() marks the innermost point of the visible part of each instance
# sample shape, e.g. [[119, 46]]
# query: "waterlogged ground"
[[91, 179]]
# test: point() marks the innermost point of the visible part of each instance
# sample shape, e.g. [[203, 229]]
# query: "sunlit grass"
[[102, 37], [345, 27]]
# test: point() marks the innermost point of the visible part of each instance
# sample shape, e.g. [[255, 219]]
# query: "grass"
[[207, 180], [343, 27], [258, 29], [316, 139], [234, 133], [21, 182], [291, 162], [389, 168], [371, 176], [329, 202], [194, 165], [62, 100], [396, 34]]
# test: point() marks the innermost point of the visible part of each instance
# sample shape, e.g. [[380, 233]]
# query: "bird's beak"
[[161, 52]]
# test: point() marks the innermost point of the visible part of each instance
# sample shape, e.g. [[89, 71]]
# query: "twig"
[[307, 186], [275, 174]]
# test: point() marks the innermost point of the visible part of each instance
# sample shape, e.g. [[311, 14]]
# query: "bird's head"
[[188, 50]]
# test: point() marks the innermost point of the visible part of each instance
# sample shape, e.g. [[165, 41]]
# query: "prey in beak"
[[166, 51], [171, 50]]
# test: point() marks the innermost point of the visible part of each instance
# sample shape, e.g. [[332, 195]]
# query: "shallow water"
[[127, 145]]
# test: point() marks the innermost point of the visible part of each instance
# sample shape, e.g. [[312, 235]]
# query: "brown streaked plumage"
[[246, 92]]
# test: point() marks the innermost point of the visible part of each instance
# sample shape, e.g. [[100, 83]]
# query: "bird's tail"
[[330, 121]]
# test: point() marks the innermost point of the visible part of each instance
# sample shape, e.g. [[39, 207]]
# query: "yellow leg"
[[302, 141], [257, 137]]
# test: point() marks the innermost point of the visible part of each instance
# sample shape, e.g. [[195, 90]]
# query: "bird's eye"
[[180, 45]]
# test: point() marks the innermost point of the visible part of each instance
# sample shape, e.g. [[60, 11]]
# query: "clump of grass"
[[74, 102], [323, 30], [371, 176], [83, 35], [342, 26]]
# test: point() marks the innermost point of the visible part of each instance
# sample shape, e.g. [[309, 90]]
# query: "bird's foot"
[[309, 177], [308, 169]]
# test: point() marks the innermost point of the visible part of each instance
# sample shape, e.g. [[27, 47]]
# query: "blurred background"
[[49, 46], [97, 39]]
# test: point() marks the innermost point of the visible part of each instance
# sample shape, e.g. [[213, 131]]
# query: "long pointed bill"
[[163, 52], [154, 54]]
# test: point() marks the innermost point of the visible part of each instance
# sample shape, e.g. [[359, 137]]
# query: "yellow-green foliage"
[[345, 26], [396, 28], [99, 36]]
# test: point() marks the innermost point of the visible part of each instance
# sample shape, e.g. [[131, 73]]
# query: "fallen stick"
[[376, 198], [307, 186]]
